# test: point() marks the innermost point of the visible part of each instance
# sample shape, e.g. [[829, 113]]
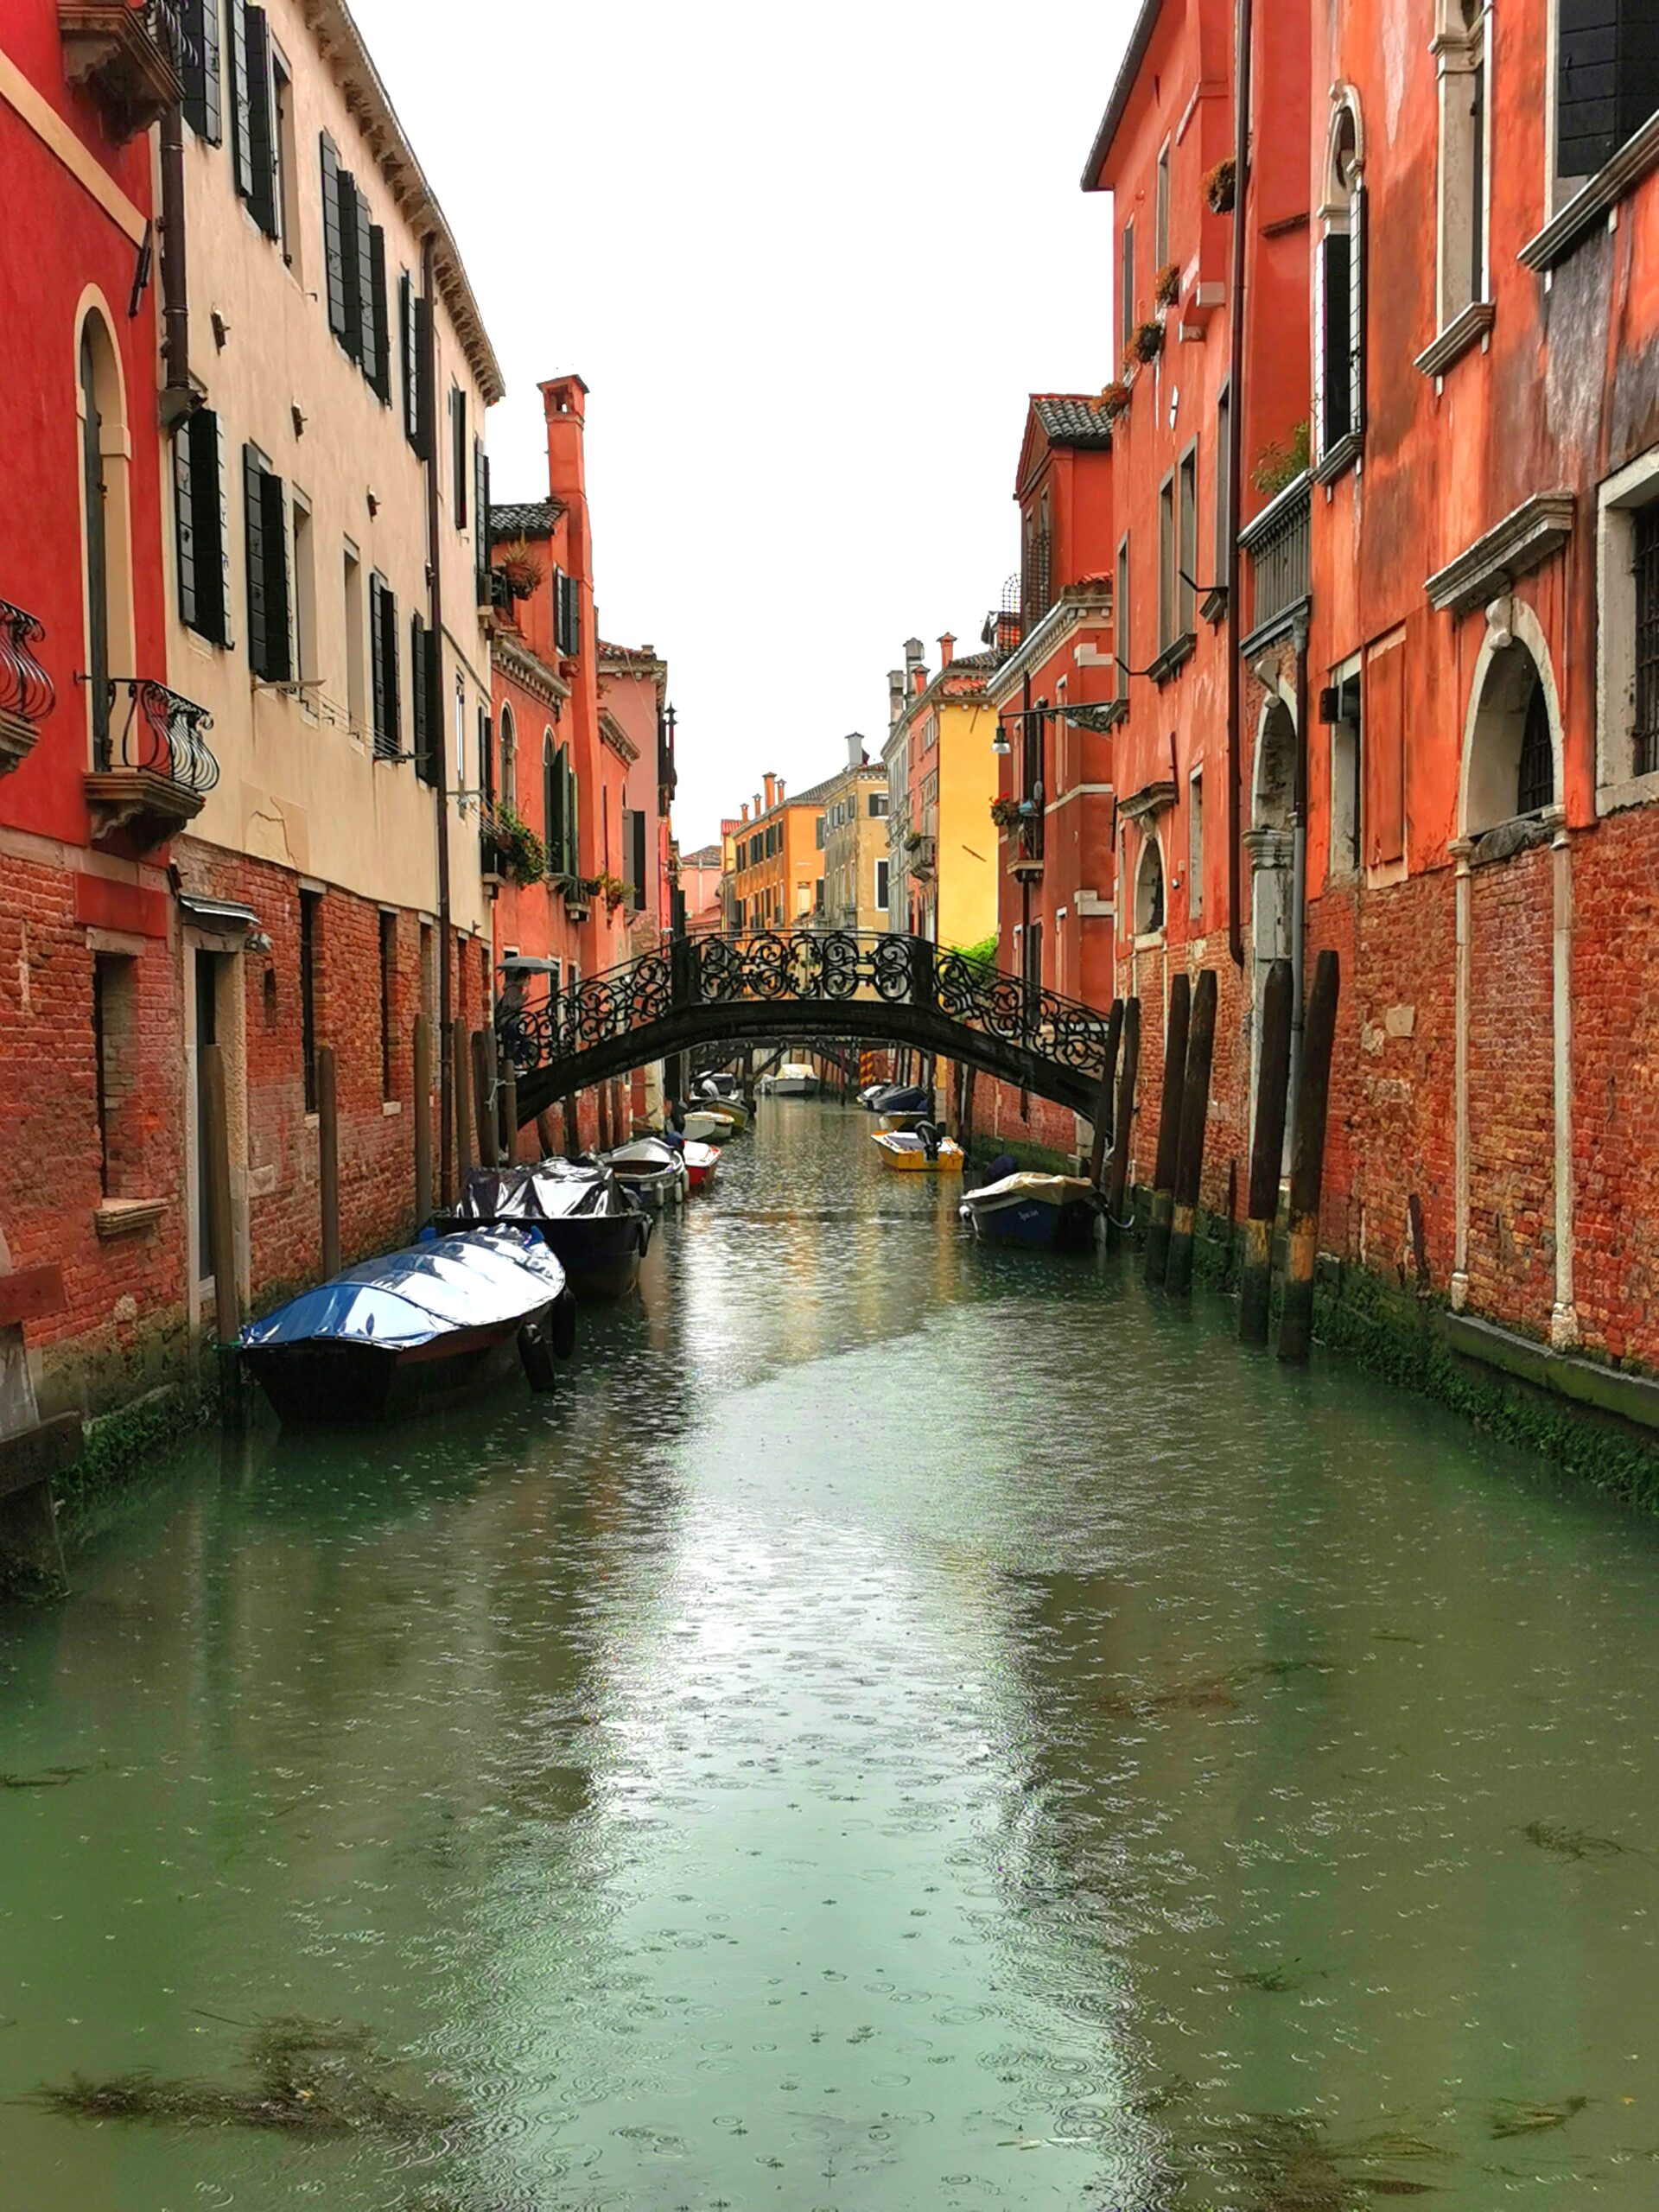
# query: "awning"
[[225, 916]]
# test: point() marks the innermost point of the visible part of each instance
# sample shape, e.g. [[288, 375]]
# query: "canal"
[[903, 1725]]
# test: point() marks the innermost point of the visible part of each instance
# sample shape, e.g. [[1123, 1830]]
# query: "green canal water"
[[903, 1725]]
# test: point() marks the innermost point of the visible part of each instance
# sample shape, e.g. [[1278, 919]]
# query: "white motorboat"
[[1050, 1212], [653, 1171], [794, 1079], [708, 1125]]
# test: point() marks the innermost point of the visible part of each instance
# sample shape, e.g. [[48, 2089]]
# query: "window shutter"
[[420, 694], [262, 124], [334, 245], [354, 306], [480, 522], [1606, 79], [279, 667], [1356, 314], [254, 540], [200, 72], [380, 317], [487, 756], [459, 457], [408, 342], [639, 857], [388, 665], [377, 662], [241, 117], [552, 809], [368, 340], [424, 401], [1336, 340], [184, 524]]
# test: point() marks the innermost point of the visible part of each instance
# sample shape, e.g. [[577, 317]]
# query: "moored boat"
[[653, 1171], [415, 1330], [921, 1151], [709, 1125], [700, 1161], [1048, 1212], [596, 1225], [794, 1079]]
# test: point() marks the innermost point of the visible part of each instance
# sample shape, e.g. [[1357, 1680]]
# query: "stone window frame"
[[1510, 623], [1341, 214], [1344, 673], [1463, 310], [1144, 932], [1619, 498]]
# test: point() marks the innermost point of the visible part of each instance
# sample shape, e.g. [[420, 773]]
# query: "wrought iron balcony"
[[26, 693], [153, 776], [128, 54], [1276, 543]]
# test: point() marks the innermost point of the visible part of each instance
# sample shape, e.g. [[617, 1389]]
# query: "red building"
[[99, 764]]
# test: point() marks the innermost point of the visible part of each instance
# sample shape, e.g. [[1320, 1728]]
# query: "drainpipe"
[[435, 722], [1242, 33], [1298, 875], [177, 398]]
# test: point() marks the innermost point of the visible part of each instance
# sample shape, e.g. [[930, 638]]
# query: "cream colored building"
[[325, 561], [855, 860]]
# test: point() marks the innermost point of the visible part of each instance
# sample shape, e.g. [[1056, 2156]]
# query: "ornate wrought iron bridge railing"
[[843, 969], [163, 735]]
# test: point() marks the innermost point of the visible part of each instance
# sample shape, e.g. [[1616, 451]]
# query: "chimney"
[[780, 791], [918, 679], [895, 695], [743, 815], [855, 748], [913, 652], [770, 783], [947, 650]]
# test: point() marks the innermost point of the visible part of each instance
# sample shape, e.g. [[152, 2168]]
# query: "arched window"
[[105, 533], [1511, 766], [1462, 32], [551, 792], [509, 760], [1339, 340], [1149, 889]]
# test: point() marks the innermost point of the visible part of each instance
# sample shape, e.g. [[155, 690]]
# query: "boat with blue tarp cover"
[[415, 1329], [597, 1227]]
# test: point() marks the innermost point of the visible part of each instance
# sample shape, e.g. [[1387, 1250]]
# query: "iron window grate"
[[1647, 639]]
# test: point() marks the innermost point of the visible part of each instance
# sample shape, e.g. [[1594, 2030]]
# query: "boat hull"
[[1051, 1213], [307, 1383], [912, 1160], [599, 1253]]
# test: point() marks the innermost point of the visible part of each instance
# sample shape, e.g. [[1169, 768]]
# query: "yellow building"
[[776, 876], [856, 844], [945, 841]]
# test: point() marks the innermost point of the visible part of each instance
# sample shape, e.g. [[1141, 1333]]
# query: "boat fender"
[[537, 1355]]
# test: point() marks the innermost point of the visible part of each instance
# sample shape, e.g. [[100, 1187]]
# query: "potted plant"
[[1280, 464], [1166, 285], [1005, 812], [913, 841], [1113, 399], [522, 571], [1147, 341], [1218, 186], [519, 847]]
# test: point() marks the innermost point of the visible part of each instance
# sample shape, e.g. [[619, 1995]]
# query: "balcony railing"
[[129, 54], [26, 693], [153, 775], [1276, 543]]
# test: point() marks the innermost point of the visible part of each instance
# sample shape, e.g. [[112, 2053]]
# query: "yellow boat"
[[905, 1150]]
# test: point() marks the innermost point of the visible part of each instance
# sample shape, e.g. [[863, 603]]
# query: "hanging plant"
[[1166, 285], [614, 889], [1279, 465], [1146, 342], [521, 850], [1005, 812], [522, 571], [1218, 186], [1114, 400]]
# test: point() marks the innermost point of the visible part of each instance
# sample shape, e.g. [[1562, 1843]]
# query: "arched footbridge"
[[886, 989]]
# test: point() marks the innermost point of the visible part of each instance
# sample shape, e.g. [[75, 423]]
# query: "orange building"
[[776, 880]]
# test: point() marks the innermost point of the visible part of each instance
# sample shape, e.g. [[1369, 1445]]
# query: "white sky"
[[810, 263]]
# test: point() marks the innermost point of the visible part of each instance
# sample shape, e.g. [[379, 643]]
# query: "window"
[[1606, 83], [265, 508], [1511, 766], [1535, 775], [1460, 56], [1121, 652], [566, 615], [817, 896], [305, 588], [509, 759], [1167, 564], [357, 683], [1125, 296], [424, 697], [253, 117], [1645, 572], [1160, 211], [1223, 485], [1627, 631], [382, 671], [285, 148], [459, 452], [1347, 770], [803, 898], [640, 876], [1195, 844], [412, 328], [200, 27], [881, 882], [199, 526], [1149, 889], [1339, 363], [481, 525], [310, 948], [552, 802], [818, 830], [354, 273], [487, 758], [1186, 542], [388, 997], [878, 805], [114, 1003]]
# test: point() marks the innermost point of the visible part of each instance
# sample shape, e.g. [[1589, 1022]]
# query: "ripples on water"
[[902, 1726]]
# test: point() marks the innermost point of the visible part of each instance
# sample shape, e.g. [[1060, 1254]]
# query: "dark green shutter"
[[481, 523], [334, 245], [184, 524], [351, 266], [377, 662], [425, 405], [421, 699], [241, 117], [254, 545], [381, 378], [459, 457], [1606, 79], [410, 384], [279, 666], [394, 724], [262, 124], [487, 756], [1337, 339], [367, 343], [639, 861], [200, 72]]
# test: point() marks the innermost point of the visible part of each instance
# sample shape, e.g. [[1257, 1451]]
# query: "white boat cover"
[[1018, 1190]]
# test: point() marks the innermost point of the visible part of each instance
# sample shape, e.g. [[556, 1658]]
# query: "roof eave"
[[1128, 70]]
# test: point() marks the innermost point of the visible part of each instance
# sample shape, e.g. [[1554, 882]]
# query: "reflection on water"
[[902, 1726]]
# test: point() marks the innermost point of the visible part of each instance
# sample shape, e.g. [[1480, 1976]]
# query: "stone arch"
[[508, 764], [104, 458], [1150, 885], [1513, 705], [1273, 785]]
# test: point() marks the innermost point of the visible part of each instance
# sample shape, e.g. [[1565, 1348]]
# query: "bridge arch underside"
[[746, 1022]]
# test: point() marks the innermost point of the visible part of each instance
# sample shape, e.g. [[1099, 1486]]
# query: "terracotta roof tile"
[[1070, 419]]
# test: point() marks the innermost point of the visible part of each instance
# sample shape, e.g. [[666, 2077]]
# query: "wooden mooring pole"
[[1169, 1129], [510, 1113], [328, 1158], [484, 1107], [221, 1230], [572, 1127], [545, 1134], [461, 1083], [1307, 1159], [1266, 1155], [1123, 1122], [422, 1086], [1103, 1104], [1189, 1157]]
